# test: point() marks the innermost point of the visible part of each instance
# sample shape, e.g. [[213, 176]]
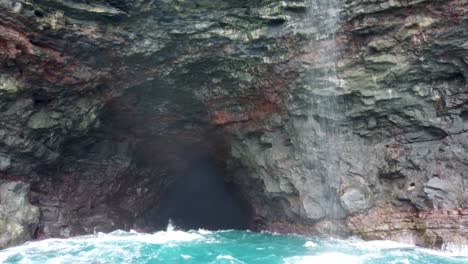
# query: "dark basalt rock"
[[102, 101], [18, 218]]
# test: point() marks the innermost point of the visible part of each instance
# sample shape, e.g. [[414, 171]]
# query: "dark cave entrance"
[[178, 162], [200, 197]]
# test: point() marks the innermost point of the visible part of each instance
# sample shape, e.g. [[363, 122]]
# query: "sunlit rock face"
[[102, 101]]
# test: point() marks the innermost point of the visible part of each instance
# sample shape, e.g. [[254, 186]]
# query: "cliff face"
[[357, 129]]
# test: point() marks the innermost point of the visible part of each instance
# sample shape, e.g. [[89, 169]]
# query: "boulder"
[[356, 199], [18, 218]]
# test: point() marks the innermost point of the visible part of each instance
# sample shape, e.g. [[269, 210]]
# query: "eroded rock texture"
[[18, 218], [102, 101]]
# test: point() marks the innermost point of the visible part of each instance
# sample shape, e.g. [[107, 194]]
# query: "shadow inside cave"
[[199, 197]]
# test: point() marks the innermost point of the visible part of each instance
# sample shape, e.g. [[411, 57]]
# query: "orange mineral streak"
[[253, 108], [46, 63], [220, 118], [252, 112]]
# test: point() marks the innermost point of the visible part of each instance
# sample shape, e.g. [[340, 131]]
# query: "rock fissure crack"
[[103, 102]]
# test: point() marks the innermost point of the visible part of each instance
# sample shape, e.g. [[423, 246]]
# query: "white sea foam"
[[403, 261], [447, 250], [186, 256], [310, 244], [225, 257], [455, 249], [60, 245], [161, 237], [101, 239], [124, 247], [170, 226], [205, 232], [379, 244], [332, 258], [228, 258]]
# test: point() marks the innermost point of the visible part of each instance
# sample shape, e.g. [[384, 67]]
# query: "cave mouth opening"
[[199, 196], [179, 162]]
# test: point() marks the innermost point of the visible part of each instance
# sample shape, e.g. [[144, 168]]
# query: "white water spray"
[[324, 136]]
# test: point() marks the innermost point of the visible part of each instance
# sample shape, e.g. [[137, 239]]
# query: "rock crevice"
[[102, 101]]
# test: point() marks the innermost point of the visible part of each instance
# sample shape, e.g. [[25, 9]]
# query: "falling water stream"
[[326, 112], [329, 107], [324, 128]]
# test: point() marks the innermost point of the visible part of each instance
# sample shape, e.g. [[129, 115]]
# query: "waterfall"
[[323, 134]]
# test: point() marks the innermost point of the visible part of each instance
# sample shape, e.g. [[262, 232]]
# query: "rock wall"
[[18, 218], [399, 147], [100, 101], [400, 144]]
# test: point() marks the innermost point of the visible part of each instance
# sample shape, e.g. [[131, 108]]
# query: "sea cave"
[[326, 118]]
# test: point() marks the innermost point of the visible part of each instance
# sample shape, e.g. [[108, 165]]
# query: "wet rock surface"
[[432, 228], [18, 218], [101, 101]]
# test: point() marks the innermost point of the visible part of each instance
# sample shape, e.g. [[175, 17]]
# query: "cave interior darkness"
[[154, 154], [189, 180], [199, 197]]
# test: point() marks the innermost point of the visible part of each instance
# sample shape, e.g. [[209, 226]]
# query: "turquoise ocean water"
[[230, 246]]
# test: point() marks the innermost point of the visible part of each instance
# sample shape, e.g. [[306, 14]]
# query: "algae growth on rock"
[[323, 117]]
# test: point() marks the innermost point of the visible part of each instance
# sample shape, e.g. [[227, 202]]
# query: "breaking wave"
[[202, 246]]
